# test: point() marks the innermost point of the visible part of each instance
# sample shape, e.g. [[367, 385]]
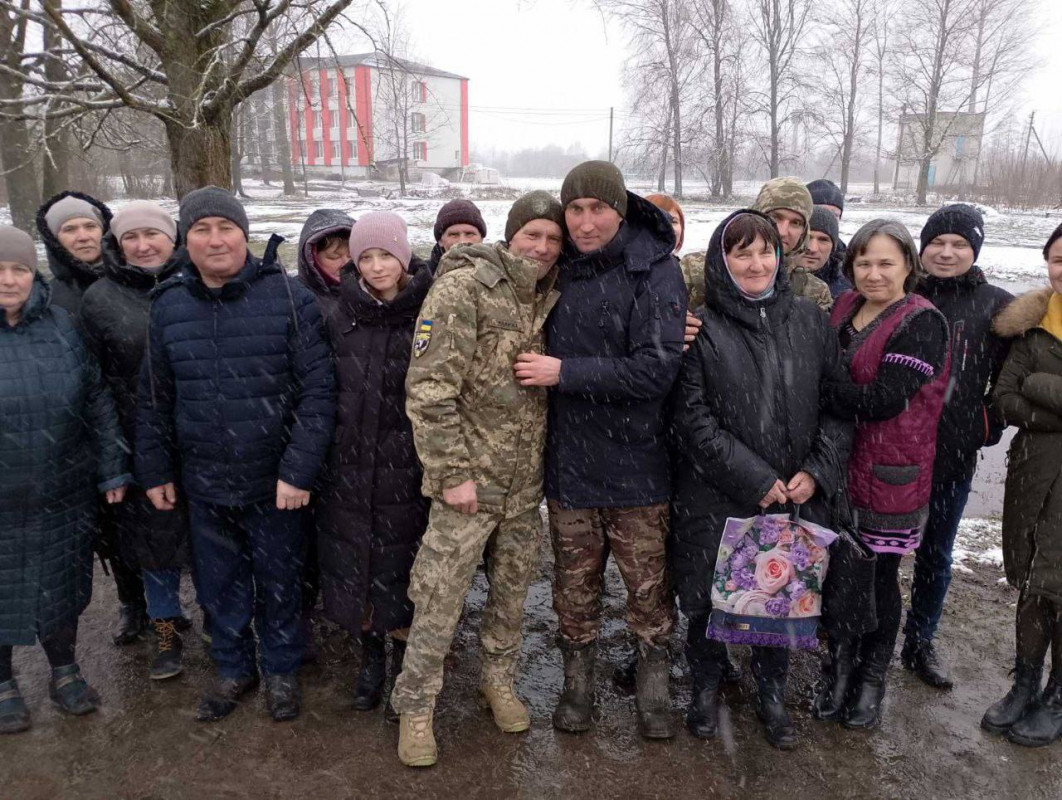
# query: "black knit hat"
[[600, 180], [459, 212], [211, 201], [823, 221], [1056, 234], [826, 193], [960, 219], [532, 206]]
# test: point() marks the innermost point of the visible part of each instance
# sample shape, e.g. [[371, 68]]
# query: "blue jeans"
[[932, 573], [248, 567], [162, 588]]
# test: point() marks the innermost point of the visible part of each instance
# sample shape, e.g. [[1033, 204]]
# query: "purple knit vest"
[[890, 472]]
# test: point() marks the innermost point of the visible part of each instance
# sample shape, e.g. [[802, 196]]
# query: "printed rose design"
[[773, 571], [807, 605], [752, 604], [800, 556], [816, 554]]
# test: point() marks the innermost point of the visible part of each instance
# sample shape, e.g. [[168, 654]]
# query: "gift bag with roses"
[[768, 582]]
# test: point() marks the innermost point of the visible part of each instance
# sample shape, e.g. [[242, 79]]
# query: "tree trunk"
[[201, 156], [237, 149], [280, 137], [266, 150], [56, 161], [16, 159], [881, 128], [720, 136], [775, 159]]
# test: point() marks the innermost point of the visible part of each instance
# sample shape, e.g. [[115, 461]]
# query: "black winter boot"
[[1042, 724], [574, 711], [653, 692], [864, 710], [921, 658], [283, 697], [777, 725], [14, 716], [368, 691], [71, 692], [830, 700], [398, 655], [132, 622], [1022, 697], [223, 697], [731, 671], [702, 716], [167, 663]]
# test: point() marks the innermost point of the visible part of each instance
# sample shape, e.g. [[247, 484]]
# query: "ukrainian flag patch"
[[422, 338]]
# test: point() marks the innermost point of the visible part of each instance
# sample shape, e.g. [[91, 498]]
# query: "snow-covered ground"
[[979, 542]]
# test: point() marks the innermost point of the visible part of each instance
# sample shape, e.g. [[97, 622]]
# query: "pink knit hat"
[[383, 229]]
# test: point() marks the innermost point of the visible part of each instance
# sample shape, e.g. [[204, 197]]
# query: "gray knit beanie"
[[532, 206], [600, 180], [211, 201], [823, 221], [17, 246], [70, 208], [143, 214]]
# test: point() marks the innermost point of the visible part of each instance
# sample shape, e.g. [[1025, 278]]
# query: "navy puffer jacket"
[[237, 388], [617, 329], [60, 445]]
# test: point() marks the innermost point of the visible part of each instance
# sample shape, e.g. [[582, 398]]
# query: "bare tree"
[[187, 64], [880, 52], [16, 154], [779, 27], [842, 56]]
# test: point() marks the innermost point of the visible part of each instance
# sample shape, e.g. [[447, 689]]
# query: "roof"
[[375, 59]]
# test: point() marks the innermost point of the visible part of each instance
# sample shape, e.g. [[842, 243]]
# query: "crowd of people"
[[370, 433]]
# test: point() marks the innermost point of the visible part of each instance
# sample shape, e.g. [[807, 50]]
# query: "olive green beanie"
[[600, 180], [532, 206]]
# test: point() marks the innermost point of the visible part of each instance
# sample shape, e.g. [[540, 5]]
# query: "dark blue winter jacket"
[[617, 329], [237, 389]]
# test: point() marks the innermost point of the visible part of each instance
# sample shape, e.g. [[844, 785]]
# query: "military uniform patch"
[[422, 339]]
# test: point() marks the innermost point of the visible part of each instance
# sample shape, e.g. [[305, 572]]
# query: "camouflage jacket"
[[471, 419], [692, 265]]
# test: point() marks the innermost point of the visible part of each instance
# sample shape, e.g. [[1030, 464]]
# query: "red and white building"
[[339, 116]]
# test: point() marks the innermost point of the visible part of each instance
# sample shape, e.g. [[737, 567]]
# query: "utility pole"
[[1025, 153], [899, 148], [610, 110]]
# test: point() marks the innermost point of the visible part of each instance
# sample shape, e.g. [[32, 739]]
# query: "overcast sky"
[[548, 70]]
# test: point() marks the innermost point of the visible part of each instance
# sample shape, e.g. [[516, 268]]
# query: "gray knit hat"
[[823, 221], [532, 206], [211, 201], [143, 214], [600, 180], [17, 245], [70, 208]]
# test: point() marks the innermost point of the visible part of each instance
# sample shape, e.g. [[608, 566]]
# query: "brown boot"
[[510, 714], [416, 740]]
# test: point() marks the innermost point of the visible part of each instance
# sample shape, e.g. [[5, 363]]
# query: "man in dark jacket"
[[828, 194], [823, 256], [615, 345], [71, 226], [458, 222], [238, 384], [951, 243]]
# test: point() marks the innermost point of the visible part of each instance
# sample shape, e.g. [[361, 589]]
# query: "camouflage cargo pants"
[[442, 573], [581, 542]]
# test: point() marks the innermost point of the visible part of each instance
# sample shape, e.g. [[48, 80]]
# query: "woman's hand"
[[164, 497], [801, 488], [693, 327], [776, 495], [115, 495], [291, 498]]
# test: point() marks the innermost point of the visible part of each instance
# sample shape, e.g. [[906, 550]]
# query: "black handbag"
[[849, 607]]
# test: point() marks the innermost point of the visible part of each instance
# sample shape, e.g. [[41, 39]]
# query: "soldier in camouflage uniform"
[[788, 202], [480, 436]]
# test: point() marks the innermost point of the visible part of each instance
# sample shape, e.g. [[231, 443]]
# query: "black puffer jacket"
[[617, 330], [744, 413], [969, 420], [832, 272], [371, 514], [70, 275], [60, 445], [321, 223], [114, 316]]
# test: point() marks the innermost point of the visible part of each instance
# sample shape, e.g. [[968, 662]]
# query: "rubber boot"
[[864, 711], [574, 711], [223, 697], [416, 740], [702, 716], [1023, 696], [653, 692], [777, 725], [132, 622], [368, 691], [1042, 724], [921, 658], [14, 716], [283, 696], [829, 703], [398, 655]]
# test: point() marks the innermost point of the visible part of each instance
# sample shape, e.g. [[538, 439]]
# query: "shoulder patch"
[[422, 338]]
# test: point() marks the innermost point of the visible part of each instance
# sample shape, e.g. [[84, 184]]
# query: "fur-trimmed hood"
[[1023, 314]]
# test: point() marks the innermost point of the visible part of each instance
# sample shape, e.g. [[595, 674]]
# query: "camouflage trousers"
[[442, 574], [582, 539]]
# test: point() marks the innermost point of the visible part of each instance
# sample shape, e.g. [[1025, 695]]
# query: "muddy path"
[[144, 742]]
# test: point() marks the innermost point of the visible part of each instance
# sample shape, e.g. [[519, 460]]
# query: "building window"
[[418, 122], [960, 146], [351, 121], [317, 119], [330, 87], [318, 151], [335, 151], [420, 151]]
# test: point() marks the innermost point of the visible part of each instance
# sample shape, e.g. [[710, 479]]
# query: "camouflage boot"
[[575, 708], [510, 714], [416, 740]]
